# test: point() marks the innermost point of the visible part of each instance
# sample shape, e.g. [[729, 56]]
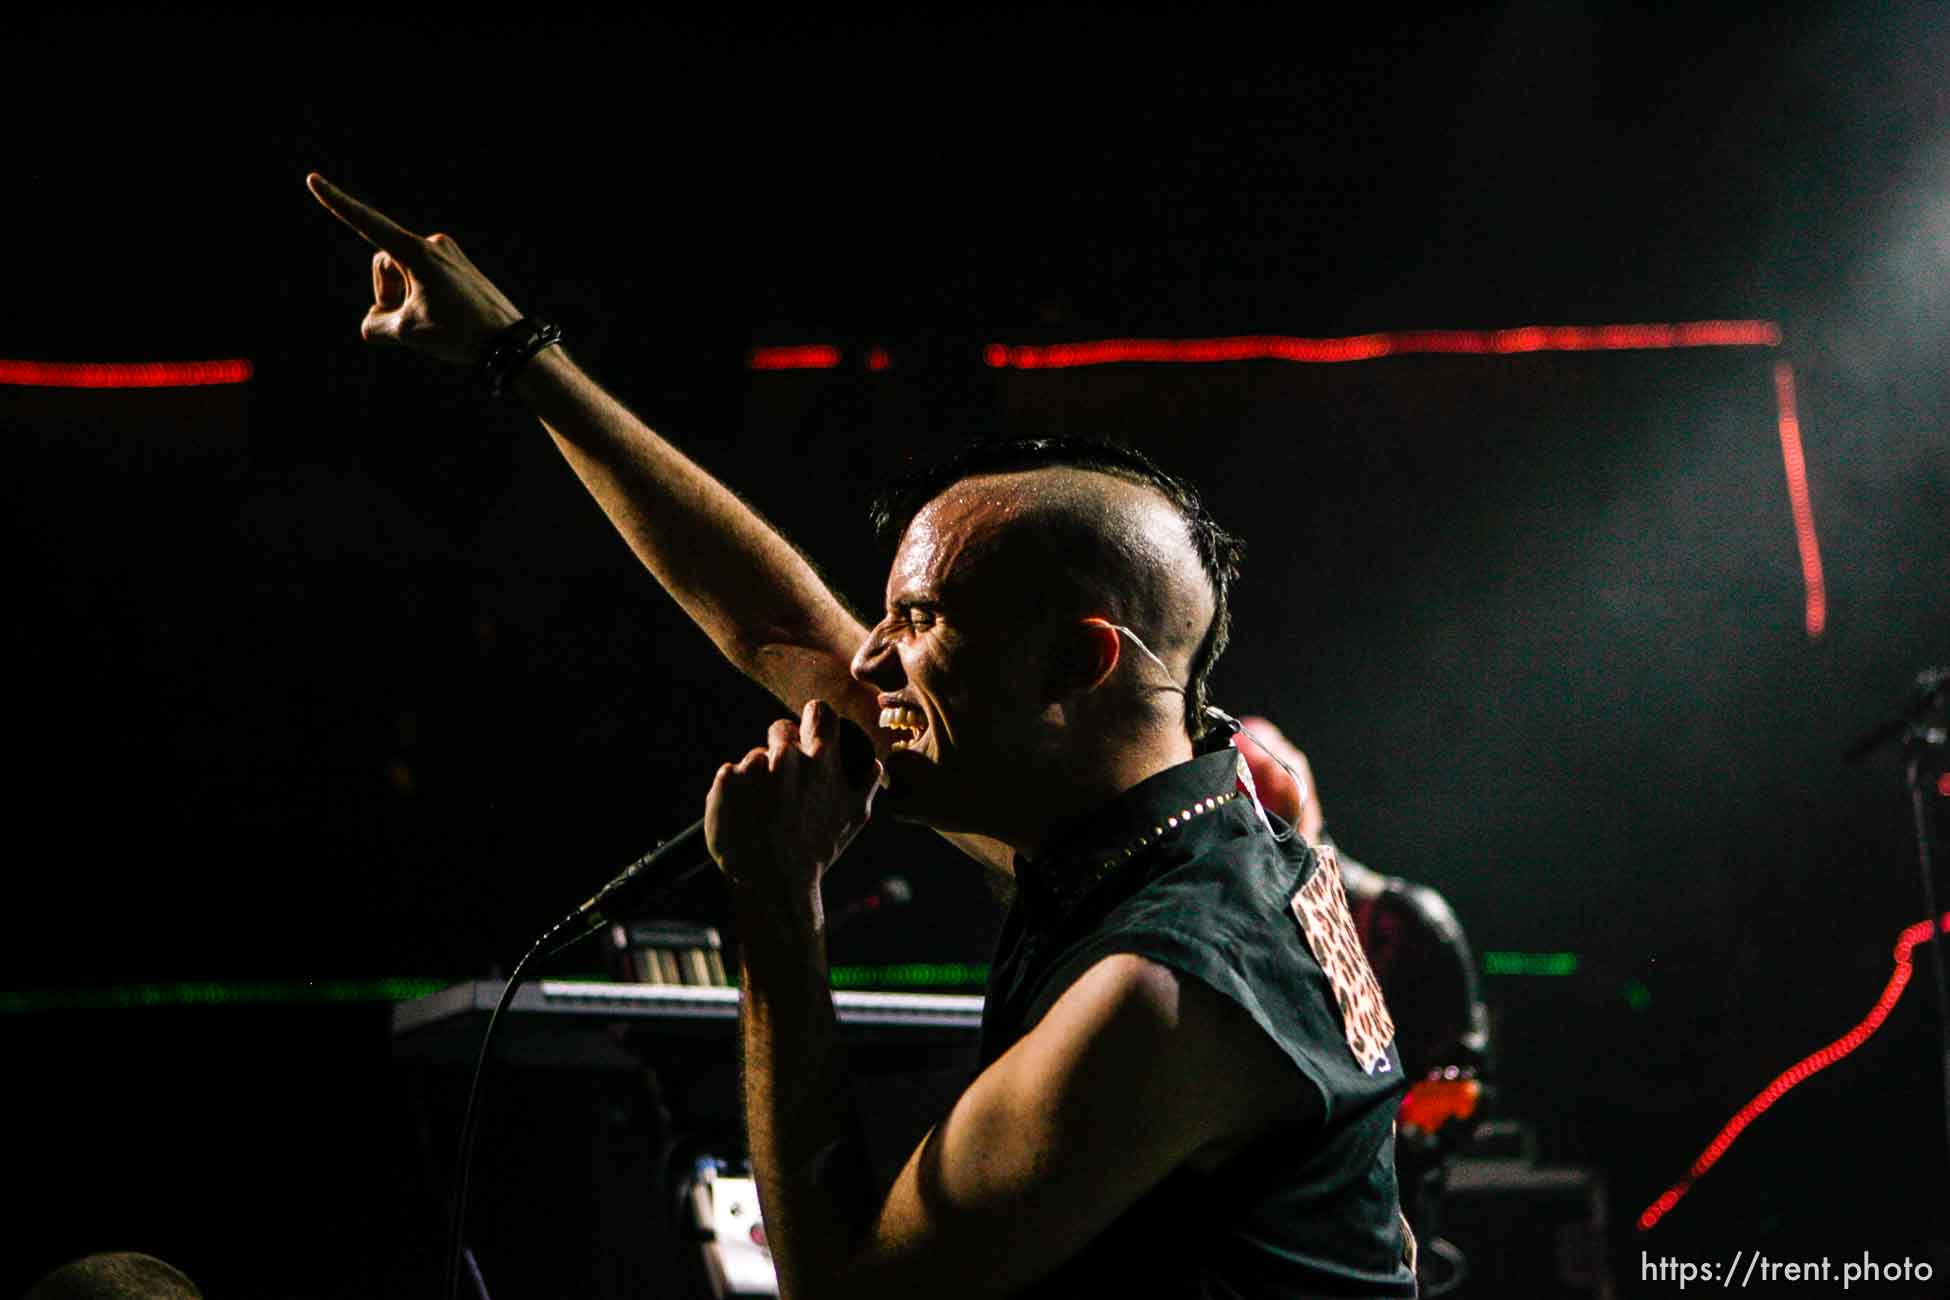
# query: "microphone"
[[1931, 686], [641, 881]]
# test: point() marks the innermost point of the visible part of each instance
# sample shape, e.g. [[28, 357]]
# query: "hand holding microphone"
[[779, 817], [670, 864]]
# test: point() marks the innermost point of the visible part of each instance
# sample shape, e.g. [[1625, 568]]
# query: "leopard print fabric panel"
[[1321, 908]]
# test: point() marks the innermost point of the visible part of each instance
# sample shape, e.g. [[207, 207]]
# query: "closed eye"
[[910, 614]]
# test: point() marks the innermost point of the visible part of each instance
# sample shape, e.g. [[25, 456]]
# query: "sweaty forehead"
[[946, 536], [1024, 519]]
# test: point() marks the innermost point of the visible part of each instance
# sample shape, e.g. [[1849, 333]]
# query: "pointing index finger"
[[373, 225]]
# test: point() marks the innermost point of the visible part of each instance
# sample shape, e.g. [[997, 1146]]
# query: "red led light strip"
[[1355, 347], [810, 356], [1367, 347], [1804, 514], [108, 374], [1804, 1069]]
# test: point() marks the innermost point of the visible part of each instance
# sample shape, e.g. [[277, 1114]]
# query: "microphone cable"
[[585, 920], [637, 883]]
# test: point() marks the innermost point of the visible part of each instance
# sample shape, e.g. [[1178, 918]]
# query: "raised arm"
[[761, 603], [757, 598]]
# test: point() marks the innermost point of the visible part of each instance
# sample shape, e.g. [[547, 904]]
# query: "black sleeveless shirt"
[[1208, 891]]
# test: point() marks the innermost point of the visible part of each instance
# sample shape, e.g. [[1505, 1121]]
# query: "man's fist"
[[776, 819], [426, 295]]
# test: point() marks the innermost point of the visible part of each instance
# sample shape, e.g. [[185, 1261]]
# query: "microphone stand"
[[1920, 737], [1918, 743]]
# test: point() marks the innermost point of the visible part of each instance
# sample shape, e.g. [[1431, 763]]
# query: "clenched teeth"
[[902, 718]]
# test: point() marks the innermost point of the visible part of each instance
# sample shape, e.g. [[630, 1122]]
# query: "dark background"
[[337, 674]]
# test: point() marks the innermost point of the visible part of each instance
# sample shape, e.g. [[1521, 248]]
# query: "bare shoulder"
[[1190, 1043], [1135, 1072]]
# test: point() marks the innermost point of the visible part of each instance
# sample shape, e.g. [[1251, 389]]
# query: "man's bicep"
[[1113, 1090], [794, 673]]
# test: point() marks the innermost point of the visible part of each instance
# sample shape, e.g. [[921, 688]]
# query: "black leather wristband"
[[514, 347]]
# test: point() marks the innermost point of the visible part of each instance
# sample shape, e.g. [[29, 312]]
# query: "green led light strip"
[[210, 993], [1530, 963], [933, 975]]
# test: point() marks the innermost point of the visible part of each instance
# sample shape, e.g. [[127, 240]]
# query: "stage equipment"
[[649, 877], [667, 952], [562, 1022], [911, 1053], [731, 1232], [1527, 1230]]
